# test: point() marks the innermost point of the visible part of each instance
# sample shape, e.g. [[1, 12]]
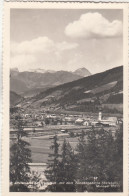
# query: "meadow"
[[40, 147]]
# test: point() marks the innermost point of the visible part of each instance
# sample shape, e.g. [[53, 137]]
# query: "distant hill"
[[87, 93], [22, 82], [15, 98]]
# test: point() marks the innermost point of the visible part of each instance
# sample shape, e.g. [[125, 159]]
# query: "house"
[[79, 121], [94, 123], [68, 120], [86, 123], [53, 116], [111, 121], [27, 115]]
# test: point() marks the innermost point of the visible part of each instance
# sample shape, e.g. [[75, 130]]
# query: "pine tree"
[[91, 158], [52, 171], [105, 155], [81, 174], [67, 168], [20, 156]]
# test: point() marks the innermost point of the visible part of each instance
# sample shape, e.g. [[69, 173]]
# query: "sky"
[[66, 39]]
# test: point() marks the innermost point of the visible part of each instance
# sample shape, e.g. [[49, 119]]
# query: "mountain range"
[[29, 83], [86, 94]]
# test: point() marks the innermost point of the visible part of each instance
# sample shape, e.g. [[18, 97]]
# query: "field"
[[40, 146], [41, 140]]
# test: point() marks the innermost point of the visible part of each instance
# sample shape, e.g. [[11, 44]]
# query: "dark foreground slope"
[[92, 91]]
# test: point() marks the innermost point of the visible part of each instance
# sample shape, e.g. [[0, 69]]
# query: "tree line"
[[95, 165]]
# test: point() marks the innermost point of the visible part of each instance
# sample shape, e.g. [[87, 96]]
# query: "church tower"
[[100, 116]]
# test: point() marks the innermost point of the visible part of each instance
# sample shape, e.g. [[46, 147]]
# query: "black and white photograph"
[[66, 100]]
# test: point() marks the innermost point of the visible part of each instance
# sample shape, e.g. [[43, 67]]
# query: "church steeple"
[[100, 116]]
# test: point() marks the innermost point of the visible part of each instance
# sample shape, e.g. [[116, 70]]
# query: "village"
[[39, 121]]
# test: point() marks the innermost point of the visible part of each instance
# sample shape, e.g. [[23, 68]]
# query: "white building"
[[100, 116], [110, 121], [86, 123], [79, 121]]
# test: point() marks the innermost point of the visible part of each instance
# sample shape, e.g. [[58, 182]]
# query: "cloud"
[[93, 25], [40, 45], [30, 53], [66, 46], [22, 61]]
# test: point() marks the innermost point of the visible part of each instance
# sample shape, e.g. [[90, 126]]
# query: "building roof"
[[79, 120], [110, 118]]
